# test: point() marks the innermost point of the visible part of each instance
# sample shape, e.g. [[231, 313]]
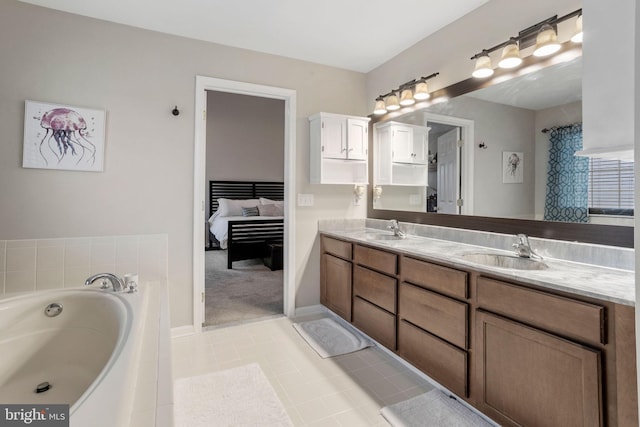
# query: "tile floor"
[[346, 390]]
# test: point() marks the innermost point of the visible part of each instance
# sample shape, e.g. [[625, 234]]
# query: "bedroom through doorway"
[[245, 173]]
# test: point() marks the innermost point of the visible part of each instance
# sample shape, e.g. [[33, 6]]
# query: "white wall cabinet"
[[401, 154], [339, 149]]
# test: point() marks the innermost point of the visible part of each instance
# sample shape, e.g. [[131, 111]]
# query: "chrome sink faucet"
[[116, 282], [393, 226], [523, 248]]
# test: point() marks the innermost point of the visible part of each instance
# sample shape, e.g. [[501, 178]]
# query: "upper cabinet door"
[[402, 144], [420, 145], [357, 139], [334, 138]]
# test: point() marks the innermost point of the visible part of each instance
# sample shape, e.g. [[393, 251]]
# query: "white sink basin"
[[382, 236], [505, 261]]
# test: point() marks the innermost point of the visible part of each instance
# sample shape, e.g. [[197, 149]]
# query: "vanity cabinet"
[[432, 326], [336, 276], [522, 354], [543, 346], [375, 289], [534, 378], [401, 154], [339, 149]]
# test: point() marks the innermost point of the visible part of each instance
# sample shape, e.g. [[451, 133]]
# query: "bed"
[[245, 234]]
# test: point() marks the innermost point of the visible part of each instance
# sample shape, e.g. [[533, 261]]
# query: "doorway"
[[289, 97], [245, 165]]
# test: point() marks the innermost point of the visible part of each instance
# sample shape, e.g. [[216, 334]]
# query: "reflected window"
[[611, 187]]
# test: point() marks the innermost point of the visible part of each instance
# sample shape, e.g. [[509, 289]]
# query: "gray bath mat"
[[330, 338], [432, 409]]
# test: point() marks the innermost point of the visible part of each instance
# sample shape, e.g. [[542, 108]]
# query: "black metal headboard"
[[243, 190]]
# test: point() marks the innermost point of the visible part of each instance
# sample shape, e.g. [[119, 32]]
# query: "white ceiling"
[[356, 35]]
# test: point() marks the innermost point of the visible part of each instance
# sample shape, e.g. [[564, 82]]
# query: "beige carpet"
[[432, 409], [235, 397], [248, 291]]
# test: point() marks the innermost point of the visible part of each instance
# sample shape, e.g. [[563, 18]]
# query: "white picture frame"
[[63, 137], [512, 167]]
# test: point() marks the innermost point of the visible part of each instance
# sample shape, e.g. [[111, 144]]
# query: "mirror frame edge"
[[609, 235]]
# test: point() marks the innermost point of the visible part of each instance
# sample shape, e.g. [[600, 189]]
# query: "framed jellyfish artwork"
[[63, 137], [512, 167]]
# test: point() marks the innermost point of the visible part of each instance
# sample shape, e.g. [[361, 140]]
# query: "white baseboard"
[[310, 310], [182, 331]]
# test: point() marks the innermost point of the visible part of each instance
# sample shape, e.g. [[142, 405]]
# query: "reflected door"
[[448, 175]]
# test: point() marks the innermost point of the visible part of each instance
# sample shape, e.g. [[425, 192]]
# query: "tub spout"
[[116, 282]]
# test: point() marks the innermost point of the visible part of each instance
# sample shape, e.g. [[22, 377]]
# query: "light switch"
[[305, 199]]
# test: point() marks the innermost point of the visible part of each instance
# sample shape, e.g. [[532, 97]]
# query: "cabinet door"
[[420, 145], [336, 285], [334, 138], [532, 378], [402, 144], [357, 139]]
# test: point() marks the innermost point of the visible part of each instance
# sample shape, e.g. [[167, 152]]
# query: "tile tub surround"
[[39, 264], [580, 278]]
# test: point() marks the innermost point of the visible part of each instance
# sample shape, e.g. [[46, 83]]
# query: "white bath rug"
[[330, 338], [432, 409], [240, 396]]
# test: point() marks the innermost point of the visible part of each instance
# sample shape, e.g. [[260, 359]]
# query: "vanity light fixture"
[[546, 43], [510, 55], [406, 97], [358, 192], [483, 66], [410, 92], [392, 102], [377, 192], [380, 107], [577, 36]]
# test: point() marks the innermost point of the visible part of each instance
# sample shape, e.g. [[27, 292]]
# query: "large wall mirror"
[[497, 179]]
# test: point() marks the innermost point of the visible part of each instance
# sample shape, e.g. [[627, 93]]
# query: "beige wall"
[[137, 76]]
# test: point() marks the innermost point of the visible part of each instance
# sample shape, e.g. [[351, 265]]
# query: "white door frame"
[[466, 157], [203, 84]]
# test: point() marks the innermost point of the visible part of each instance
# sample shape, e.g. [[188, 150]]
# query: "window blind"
[[611, 187]]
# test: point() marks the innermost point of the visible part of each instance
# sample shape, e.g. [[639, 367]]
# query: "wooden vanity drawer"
[[441, 279], [375, 287], [442, 316], [385, 262], [565, 316], [440, 360], [336, 247], [375, 322]]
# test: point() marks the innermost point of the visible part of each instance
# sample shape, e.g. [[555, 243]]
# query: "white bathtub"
[[88, 353]]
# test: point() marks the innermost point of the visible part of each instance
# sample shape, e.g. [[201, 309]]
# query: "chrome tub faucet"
[[116, 282]]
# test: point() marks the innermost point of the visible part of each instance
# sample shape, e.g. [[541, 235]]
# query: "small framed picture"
[[63, 137], [512, 167]]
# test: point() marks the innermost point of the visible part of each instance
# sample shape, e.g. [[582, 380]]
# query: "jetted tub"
[[88, 352]]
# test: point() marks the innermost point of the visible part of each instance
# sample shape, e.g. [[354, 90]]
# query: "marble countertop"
[[588, 280]]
